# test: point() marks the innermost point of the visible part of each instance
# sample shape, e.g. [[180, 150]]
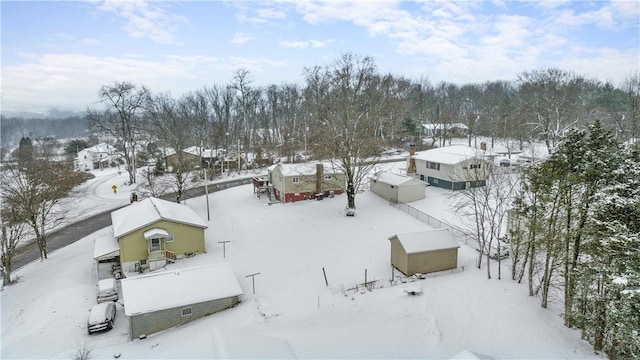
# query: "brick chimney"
[[319, 176], [411, 168]]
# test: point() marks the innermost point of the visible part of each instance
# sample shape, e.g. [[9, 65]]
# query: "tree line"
[[576, 225]]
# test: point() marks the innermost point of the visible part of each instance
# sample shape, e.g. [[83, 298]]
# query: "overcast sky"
[[57, 54]]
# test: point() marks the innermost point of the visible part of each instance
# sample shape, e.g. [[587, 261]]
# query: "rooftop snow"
[[149, 211], [304, 169], [105, 248], [181, 287], [437, 239], [449, 154], [396, 179]]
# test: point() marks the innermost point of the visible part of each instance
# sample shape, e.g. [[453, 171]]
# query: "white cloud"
[[271, 14], [71, 81], [316, 44], [295, 44], [241, 38], [145, 19]]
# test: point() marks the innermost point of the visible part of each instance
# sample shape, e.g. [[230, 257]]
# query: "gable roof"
[[396, 179], [449, 154], [149, 211], [304, 169], [442, 126], [148, 293], [437, 239], [201, 152]]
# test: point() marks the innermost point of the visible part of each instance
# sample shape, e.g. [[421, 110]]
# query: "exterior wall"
[[410, 193], [187, 159], [186, 239], [432, 261], [153, 322], [288, 191], [399, 257], [385, 190], [454, 176]]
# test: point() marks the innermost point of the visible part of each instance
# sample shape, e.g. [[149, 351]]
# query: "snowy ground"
[[44, 314]]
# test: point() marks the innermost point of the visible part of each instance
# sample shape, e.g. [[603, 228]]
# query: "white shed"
[[397, 188]]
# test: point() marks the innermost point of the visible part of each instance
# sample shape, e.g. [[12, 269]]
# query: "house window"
[[186, 311], [170, 238], [295, 180], [328, 177], [475, 166], [155, 244], [433, 165], [435, 181]]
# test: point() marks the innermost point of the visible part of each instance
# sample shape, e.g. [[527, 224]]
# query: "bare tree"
[[121, 118], [486, 207], [34, 194], [552, 99], [13, 232], [345, 128], [173, 124]]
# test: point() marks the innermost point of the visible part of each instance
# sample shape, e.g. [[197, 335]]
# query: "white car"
[[101, 317], [107, 290]]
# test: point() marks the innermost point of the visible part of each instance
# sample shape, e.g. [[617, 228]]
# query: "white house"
[[397, 188], [437, 130], [452, 167], [97, 157]]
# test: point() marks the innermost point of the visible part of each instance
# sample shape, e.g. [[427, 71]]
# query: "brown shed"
[[424, 252]]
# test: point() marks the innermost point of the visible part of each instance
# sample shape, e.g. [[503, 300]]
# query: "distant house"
[[193, 156], [397, 188], [439, 130], [152, 232], [97, 157], [295, 182], [452, 167], [159, 301], [424, 252]]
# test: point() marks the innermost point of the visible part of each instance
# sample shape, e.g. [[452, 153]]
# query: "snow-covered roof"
[[242, 345], [445, 126], [198, 151], [449, 154], [437, 239], [470, 355], [149, 211], [181, 287], [304, 169], [101, 148], [396, 179], [105, 248]]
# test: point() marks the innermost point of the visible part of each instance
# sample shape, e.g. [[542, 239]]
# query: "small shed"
[[397, 188], [424, 252], [159, 301]]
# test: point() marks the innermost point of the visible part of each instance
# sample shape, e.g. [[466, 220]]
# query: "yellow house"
[[152, 232]]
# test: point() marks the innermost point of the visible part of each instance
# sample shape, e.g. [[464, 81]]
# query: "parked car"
[[107, 290], [101, 317]]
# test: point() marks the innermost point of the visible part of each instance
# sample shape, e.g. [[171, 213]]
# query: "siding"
[[423, 262], [149, 323], [432, 261], [187, 238]]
